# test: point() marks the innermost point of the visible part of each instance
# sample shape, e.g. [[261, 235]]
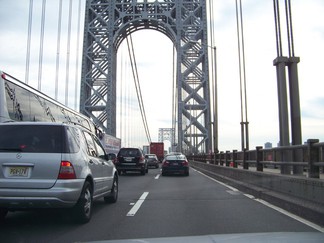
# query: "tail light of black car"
[[141, 160], [185, 163], [165, 163]]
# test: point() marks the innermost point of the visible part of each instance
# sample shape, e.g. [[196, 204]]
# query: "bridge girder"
[[109, 22]]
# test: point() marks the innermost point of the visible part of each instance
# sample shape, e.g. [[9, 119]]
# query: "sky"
[[154, 53]]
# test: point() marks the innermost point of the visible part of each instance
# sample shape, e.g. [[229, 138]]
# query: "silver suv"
[[53, 165]]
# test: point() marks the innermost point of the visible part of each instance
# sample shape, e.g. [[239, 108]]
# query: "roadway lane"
[[173, 206]]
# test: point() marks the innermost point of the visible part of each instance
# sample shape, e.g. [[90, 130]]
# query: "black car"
[[131, 159], [175, 163], [152, 160]]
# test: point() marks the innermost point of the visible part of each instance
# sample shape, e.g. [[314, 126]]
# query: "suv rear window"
[[31, 138], [129, 152]]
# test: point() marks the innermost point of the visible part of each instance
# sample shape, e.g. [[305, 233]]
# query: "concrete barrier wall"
[[300, 195]]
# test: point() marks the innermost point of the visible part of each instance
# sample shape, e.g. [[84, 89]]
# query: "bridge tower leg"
[[108, 23]]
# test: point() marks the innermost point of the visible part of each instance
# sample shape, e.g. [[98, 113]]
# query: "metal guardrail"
[[294, 159]]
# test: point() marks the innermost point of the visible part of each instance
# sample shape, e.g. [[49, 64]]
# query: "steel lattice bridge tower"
[[109, 22]]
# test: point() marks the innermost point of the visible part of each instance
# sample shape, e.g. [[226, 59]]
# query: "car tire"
[[83, 208], [3, 213], [113, 196]]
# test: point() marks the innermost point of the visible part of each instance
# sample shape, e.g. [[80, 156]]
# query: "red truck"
[[157, 148]]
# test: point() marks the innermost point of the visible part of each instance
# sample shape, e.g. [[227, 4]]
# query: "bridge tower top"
[[108, 23]]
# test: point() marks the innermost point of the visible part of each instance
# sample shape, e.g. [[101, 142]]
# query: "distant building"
[[268, 145]]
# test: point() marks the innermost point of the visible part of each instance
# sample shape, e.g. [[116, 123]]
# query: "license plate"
[[18, 171]]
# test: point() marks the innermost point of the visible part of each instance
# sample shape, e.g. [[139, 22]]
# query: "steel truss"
[[109, 22]]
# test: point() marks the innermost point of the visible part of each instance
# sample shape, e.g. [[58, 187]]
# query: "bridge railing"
[[306, 159]]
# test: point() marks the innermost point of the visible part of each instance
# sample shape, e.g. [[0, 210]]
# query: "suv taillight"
[[141, 160], [66, 171]]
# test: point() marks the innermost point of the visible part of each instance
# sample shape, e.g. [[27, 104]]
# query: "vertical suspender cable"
[[138, 88], [68, 55], [240, 72], [214, 78], [212, 41], [244, 82], [30, 23], [243, 95], [277, 25], [58, 42], [40, 61], [77, 58], [120, 85], [174, 93], [289, 29]]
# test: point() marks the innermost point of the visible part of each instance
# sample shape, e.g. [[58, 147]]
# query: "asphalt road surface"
[[155, 206]]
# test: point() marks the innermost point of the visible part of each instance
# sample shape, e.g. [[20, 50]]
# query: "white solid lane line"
[[137, 205]]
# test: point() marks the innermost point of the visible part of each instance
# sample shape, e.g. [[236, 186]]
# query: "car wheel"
[[112, 198], [3, 213], [83, 208]]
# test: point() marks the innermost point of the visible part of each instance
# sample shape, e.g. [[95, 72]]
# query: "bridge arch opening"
[[154, 61]]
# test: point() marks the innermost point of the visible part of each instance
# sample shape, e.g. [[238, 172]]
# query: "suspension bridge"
[[90, 35], [102, 78]]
